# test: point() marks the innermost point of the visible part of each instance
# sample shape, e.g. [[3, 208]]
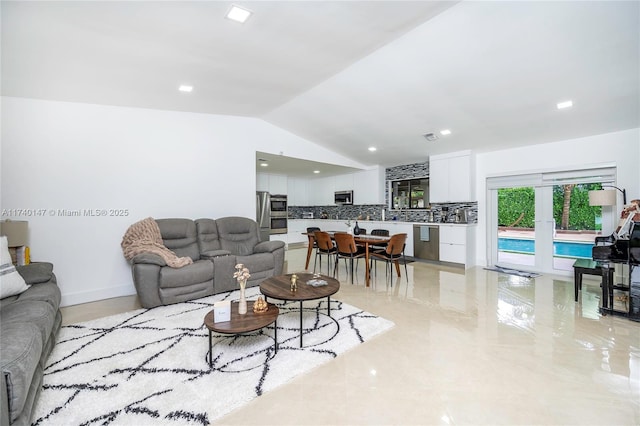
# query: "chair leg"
[[352, 270], [404, 259]]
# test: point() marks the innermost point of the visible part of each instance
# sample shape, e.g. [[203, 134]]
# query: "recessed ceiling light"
[[373, 148], [264, 165], [565, 104], [185, 88], [445, 132], [238, 14], [316, 171], [430, 136]]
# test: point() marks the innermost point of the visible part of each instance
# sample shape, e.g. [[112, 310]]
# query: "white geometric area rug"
[[150, 366]]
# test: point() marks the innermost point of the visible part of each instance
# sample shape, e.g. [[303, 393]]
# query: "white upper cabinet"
[[297, 194], [262, 182], [274, 184], [450, 177], [321, 191], [343, 182], [278, 184], [368, 186]]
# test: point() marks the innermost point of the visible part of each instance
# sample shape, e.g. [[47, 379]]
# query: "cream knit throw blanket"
[[144, 237]]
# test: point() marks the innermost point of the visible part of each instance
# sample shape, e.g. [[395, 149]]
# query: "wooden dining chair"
[[379, 233], [311, 230], [392, 253], [324, 247], [347, 249]]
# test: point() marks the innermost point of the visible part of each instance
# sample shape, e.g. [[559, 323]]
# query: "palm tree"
[[566, 205]]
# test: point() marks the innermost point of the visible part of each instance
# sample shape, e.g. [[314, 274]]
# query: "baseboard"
[[77, 298]]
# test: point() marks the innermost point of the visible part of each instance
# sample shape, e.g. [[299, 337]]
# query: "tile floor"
[[469, 347]]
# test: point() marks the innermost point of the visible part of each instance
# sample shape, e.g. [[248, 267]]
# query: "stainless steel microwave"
[[343, 197]]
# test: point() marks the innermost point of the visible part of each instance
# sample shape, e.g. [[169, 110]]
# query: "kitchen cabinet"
[[262, 182], [368, 186], [457, 244], [321, 191], [295, 229], [450, 177], [278, 184], [297, 194], [344, 182], [272, 183]]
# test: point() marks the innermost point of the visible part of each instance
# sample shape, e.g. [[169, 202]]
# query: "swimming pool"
[[578, 250]]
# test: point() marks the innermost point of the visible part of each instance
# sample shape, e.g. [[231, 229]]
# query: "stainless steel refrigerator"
[[263, 214]]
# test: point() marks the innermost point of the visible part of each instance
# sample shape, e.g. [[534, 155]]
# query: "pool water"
[[577, 250]]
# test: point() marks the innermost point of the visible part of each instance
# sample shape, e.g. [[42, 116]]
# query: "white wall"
[[68, 156], [619, 148]]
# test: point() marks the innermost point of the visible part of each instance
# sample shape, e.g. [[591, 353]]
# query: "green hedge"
[[512, 202]]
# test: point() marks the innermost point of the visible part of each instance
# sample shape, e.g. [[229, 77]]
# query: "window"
[[410, 194]]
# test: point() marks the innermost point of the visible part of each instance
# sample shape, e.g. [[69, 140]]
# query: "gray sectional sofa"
[[29, 323], [215, 246]]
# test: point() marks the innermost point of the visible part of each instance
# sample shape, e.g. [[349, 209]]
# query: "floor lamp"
[[607, 197]]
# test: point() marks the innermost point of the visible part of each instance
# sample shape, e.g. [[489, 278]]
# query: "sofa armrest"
[[151, 258], [268, 246], [212, 254], [36, 273]]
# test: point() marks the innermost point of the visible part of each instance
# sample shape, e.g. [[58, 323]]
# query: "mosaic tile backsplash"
[[374, 212], [442, 212]]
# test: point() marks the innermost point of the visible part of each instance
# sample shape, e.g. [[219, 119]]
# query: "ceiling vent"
[[430, 136]]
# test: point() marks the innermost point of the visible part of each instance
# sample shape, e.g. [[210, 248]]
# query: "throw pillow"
[[11, 282]]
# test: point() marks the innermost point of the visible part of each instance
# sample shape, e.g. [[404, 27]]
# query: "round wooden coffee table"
[[279, 287], [246, 323]]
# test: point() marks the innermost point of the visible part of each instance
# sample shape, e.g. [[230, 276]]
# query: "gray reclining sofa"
[[29, 323], [215, 246]]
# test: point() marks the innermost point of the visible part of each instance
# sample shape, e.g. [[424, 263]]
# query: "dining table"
[[365, 241]]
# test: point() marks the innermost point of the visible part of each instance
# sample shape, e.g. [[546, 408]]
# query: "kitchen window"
[[410, 194]]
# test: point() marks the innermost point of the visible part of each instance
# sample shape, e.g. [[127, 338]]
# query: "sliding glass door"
[[516, 226], [543, 222]]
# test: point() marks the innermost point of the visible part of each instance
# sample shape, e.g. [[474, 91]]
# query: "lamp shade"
[[603, 197]]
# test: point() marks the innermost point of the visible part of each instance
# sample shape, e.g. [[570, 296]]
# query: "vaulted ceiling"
[[347, 75]]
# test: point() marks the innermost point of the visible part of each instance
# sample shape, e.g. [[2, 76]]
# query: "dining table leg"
[[309, 250], [397, 262], [366, 258]]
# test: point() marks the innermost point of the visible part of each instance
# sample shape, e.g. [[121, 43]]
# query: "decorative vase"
[[356, 229], [242, 305]]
